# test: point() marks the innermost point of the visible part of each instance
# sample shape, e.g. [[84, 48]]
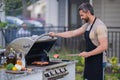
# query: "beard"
[[85, 20]]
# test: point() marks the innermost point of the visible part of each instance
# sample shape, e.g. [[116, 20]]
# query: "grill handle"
[[46, 34]]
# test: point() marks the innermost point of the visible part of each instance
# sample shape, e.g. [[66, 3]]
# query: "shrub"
[[3, 24], [114, 64]]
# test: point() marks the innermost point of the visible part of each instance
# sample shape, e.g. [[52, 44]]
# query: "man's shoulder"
[[99, 21]]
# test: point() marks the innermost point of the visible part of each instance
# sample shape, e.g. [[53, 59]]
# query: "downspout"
[[66, 14]]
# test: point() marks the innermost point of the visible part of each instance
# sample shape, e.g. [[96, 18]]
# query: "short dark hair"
[[86, 7]]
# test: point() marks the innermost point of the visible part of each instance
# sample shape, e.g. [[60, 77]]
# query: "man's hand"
[[52, 34], [84, 54]]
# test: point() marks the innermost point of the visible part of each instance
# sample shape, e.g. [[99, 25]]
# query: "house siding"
[[52, 12], [108, 11], [112, 13], [97, 8]]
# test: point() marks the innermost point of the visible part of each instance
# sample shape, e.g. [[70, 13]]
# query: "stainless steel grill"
[[36, 48]]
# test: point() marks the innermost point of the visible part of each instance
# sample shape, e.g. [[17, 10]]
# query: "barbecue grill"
[[36, 49]]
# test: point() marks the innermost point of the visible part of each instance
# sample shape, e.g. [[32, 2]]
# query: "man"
[[95, 33], [23, 31]]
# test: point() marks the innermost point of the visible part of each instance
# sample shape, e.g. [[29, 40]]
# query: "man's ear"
[[88, 12]]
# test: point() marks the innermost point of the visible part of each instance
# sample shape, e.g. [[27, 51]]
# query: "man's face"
[[84, 15]]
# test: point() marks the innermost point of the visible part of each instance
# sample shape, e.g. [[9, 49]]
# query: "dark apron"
[[93, 64]]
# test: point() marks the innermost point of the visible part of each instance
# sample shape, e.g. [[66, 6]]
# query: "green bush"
[[79, 68], [114, 76], [3, 24], [114, 64]]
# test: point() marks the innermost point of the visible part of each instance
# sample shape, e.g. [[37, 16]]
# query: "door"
[[74, 20]]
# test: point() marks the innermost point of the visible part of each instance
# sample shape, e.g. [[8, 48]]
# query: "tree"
[[13, 7], [16, 7]]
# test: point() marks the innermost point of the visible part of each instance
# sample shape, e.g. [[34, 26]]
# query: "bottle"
[[23, 60], [11, 58], [2, 62], [5, 62]]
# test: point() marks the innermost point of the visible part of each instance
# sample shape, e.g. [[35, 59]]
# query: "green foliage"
[[79, 68], [15, 7], [112, 76], [9, 66], [1, 47], [79, 77], [114, 61], [3, 24], [12, 26], [12, 6], [80, 61]]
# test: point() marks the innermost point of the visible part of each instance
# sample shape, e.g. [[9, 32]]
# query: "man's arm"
[[69, 34], [102, 47]]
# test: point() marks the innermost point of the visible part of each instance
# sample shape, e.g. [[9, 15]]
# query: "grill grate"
[[50, 63]]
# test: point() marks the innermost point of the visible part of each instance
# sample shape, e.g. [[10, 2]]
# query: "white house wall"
[[52, 12], [37, 8], [57, 12], [2, 12]]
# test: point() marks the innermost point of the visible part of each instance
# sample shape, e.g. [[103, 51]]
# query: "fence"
[[75, 43], [114, 42]]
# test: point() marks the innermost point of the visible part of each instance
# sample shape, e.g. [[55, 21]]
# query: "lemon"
[[19, 67], [14, 68]]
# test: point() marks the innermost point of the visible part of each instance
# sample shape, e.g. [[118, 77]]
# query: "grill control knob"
[[47, 75], [65, 69], [57, 71], [61, 70], [52, 72]]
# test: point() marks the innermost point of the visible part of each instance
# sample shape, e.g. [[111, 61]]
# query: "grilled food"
[[40, 63]]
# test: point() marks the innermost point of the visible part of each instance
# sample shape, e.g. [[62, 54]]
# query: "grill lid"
[[30, 45]]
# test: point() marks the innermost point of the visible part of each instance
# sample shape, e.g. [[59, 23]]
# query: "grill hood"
[[32, 47]]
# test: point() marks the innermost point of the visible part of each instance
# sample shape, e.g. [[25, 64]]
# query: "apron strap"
[[93, 23]]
